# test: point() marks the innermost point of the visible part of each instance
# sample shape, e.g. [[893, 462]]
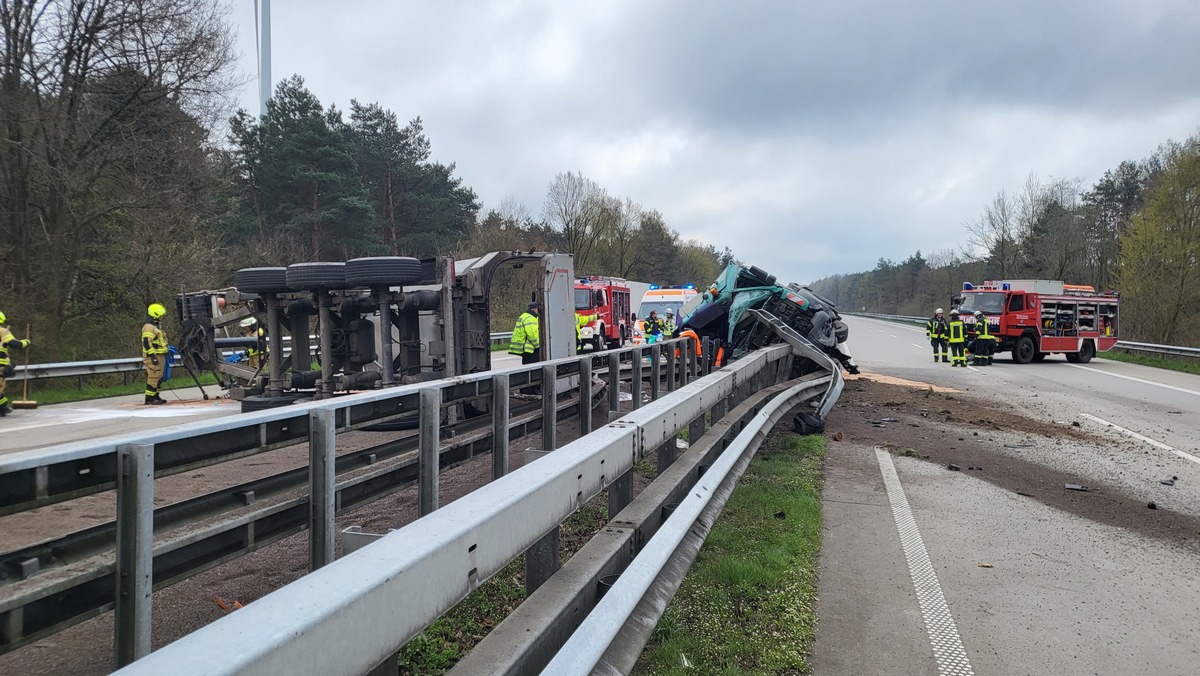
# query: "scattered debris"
[[910, 453], [1175, 412], [838, 436], [680, 443], [975, 434], [1027, 495], [1076, 424], [684, 661], [888, 420], [226, 605], [624, 396], [1077, 487], [985, 564], [953, 467], [977, 469], [1018, 445], [1152, 505], [780, 515], [1167, 482]]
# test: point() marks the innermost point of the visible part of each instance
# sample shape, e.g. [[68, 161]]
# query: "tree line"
[[124, 179], [1136, 230]]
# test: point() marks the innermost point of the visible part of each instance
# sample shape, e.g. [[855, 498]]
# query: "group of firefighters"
[[956, 343]]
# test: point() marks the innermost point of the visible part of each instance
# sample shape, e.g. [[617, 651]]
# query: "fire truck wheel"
[[310, 276], [261, 280], [1085, 354], [1040, 356], [1024, 351], [390, 270], [597, 342], [841, 331]]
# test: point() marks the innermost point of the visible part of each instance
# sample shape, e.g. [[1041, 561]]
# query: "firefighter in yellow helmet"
[[154, 352], [958, 339], [7, 342], [251, 329]]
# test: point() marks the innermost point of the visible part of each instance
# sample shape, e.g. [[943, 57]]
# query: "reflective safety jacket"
[[669, 326], [261, 334], [958, 332], [582, 321], [937, 328], [652, 326], [983, 331], [526, 338], [154, 340], [7, 340]]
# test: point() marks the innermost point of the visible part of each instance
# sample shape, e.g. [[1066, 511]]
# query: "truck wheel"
[[1085, 354], [261, 280], [310, 276], [378, 270], [1040, 356], [1024, 351], [260, 402], [598, 341], [760, 274]]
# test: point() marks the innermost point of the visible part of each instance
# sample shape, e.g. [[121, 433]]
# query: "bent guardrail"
[[376, 599]]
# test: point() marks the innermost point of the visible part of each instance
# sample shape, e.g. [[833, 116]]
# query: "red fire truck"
[[609, 299], [1033, 318]]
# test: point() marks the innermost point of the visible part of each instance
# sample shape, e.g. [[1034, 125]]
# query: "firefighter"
[[937, 330], [957, 333], [580, 322], [7, 342], [527, 337], [669, 324], [154, 352], [251, 329], [985, 342], [653, 327]]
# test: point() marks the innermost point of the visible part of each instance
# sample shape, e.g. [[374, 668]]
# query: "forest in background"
[[1136, 230]]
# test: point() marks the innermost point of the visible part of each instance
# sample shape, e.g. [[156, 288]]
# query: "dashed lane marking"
[[1136, 380], [919, 347], [1157, 444], [948, 649]]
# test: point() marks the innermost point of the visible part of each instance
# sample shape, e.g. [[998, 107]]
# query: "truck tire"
[[1085, 354], [383, 270], [841, 331], [260, 402], [761, 275], [598, 341], [1040, 357], [822, 333], [312, 276], [1024, 351], [261, 280]]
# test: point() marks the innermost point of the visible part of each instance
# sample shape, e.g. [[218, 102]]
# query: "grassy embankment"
[[1181, 365], [64, 390], [746, 607]]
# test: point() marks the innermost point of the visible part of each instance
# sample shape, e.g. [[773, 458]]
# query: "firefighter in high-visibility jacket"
[[580, 322], [937, 330], [958, 339], [527, 337], [251, 329], [669, 324], [985, 342], [154, 352], [7, 342]]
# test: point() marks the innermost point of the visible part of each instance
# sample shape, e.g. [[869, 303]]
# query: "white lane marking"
[[897, 338], [948, 649], [919, 347], [1136, 380], [1157, 444], [973, 368]]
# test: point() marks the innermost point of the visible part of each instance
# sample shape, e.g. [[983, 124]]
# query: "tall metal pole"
[[264, 65]]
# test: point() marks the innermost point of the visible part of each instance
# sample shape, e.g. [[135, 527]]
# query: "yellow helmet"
[[3, 317], [156, 310]]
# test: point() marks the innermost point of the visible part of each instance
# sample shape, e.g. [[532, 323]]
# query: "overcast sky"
[[810, 137]]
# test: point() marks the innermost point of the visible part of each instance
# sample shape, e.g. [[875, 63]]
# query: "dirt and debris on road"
[[1010, 449]]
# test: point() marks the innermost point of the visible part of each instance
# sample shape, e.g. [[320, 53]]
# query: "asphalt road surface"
[[931, 571], [99, 418]]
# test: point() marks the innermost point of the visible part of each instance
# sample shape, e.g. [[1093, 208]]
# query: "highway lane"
[[99, 418], [1030, 588]]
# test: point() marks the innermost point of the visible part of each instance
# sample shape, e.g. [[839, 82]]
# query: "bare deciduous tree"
[[575, 207]]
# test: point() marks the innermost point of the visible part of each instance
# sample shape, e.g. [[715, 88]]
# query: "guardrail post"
[[428, 467], [549, 408], [322, 487], [718, 410], [635, 383], [696, 429], [655, 371], [707, 362], [499, 425], [585, 396], [620, 494], [685, 363], [614, 383], [135, 551], [666, 455], [670, 368], [541, 561]]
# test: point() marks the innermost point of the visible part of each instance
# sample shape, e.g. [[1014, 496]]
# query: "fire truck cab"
[[609, 299], [1033, 318]]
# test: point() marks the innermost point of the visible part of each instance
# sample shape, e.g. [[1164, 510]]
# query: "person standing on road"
[[669, 324], [251, 329], [7, 342], [580, 322], [653, 327], [937, 330], [527, 338], [154, 352], [958, 338], [985, 342]]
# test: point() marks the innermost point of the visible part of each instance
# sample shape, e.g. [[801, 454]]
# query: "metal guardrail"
[[373, 601], [1130, 346], [35, 605], [78, 369]]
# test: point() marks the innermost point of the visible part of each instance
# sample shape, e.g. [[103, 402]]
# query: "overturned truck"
[[366, 323]]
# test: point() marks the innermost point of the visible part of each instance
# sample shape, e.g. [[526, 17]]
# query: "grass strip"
[[443, 643], [746, 607], [1182, 365], [101, 390]]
